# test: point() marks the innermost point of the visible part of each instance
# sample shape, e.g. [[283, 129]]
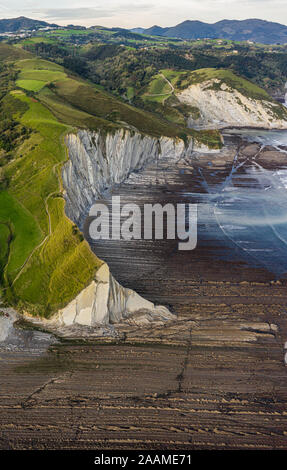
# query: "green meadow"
[[34, 79], [159, 89], [27, 232], [30, 85]]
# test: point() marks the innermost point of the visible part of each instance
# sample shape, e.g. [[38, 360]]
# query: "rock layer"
[[221, 106], [103, 303], [99, 161]]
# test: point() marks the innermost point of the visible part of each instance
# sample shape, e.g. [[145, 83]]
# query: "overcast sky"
[[132, 13]]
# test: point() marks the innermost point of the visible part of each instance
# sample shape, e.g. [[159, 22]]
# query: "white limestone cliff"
[[99, 161], [227, 107], [102, 304]]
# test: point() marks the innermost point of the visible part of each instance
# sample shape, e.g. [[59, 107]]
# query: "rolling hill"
[[14, 25]]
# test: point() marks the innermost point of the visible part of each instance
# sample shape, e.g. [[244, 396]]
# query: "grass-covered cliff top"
[[44, 260], [213, 79], [160, 95], [159, 88], [226, 76]]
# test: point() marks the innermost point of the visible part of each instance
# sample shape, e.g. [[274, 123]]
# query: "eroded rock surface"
[[221, 106], [100, 305], [97, 162]]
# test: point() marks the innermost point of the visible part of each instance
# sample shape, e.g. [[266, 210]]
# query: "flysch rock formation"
[[101, 305], [226, 107], [98, 161]]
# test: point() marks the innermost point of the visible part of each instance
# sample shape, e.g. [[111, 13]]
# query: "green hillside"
[[48, 261], [160, 95], [44, 260]]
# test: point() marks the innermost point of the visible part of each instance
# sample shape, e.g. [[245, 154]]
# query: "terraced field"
[[35, 75]]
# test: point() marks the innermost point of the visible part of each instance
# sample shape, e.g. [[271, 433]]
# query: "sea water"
[[250, 207]]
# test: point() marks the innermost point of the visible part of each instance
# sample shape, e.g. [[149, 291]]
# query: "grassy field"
[[34, 63], [31, 85], [163, 100], [69, 32], [159, 89], [4, 248], [183, 79], [34, 79], [27, 232], [161, 94], [172, 75], [80, 104]]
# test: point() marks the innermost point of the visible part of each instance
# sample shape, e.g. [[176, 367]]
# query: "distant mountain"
[[255, 30], [14, 25], [137, 30], [156, 31]]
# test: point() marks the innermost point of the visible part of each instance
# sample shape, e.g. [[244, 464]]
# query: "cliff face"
[[221, 106], [101, 305], [98, 161]]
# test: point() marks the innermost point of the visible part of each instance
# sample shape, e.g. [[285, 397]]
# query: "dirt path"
[[49, 229], [164, 94]]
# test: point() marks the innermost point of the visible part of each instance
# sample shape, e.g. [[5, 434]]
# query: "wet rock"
[[250, 150]]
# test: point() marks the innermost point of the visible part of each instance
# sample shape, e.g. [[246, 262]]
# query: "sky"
[[144, 13]]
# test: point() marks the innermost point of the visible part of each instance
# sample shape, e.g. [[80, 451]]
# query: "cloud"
[[74, 13], [91, 12], [3, 6]]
